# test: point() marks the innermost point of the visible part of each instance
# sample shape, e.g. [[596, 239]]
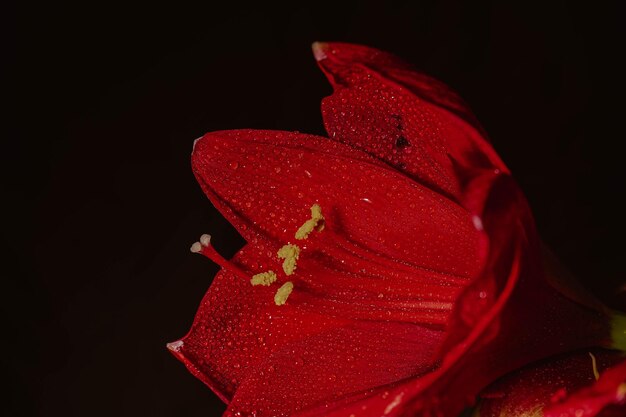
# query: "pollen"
[[290, 253], [594, 366], [283, 293], [264, 278], [316, 222]]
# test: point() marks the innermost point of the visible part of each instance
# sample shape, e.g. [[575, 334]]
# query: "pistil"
[[205, 248]]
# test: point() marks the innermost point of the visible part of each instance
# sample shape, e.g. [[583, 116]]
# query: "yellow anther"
[[264, 278], [305, 229], [594, 366], [283, 293], [316, 212], [315, 222], [621, 391], [290, 253]]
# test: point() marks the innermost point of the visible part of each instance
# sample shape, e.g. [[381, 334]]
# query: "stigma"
[[205, 248]]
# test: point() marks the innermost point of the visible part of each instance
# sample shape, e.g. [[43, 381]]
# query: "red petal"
[[504, 320], [607, 397], [237, 326], [537, 386], [362, 265], [413, 246], [334, 55], [405, 118], [355, 358], [417, 236]]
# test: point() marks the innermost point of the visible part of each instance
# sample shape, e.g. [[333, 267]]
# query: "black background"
[[101, 205]]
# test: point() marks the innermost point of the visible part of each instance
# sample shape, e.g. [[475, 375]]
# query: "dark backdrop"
[[101, 205]]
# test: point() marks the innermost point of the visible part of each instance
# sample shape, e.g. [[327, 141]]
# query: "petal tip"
[[175, 346], [319, 50], [193, 147]]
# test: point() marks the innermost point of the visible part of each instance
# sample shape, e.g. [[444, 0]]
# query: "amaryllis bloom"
[[392, 268]]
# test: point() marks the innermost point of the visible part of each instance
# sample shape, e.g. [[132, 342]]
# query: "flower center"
[[289, 253]]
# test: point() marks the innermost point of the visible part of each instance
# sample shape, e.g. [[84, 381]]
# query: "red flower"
[[396, 263]]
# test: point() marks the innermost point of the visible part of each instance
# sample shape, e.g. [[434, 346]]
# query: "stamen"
[[290, 253], [305, 229], [264, 278], [283, 293], [204, 247], [594, 365], [315, 222]]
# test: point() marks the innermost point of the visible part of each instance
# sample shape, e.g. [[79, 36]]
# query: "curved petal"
[[354, 358], [336, 55], [420, 215], [362, 266], [402, 117], [378, 224], [537, 387], [605, 398], [507, 318]]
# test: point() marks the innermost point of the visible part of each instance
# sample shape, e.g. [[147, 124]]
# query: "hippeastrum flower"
[[392, 268]]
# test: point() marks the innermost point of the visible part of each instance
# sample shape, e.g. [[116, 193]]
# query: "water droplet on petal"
[[478, 223]]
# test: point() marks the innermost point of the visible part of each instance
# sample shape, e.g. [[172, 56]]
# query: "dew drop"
[[478, 223]]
